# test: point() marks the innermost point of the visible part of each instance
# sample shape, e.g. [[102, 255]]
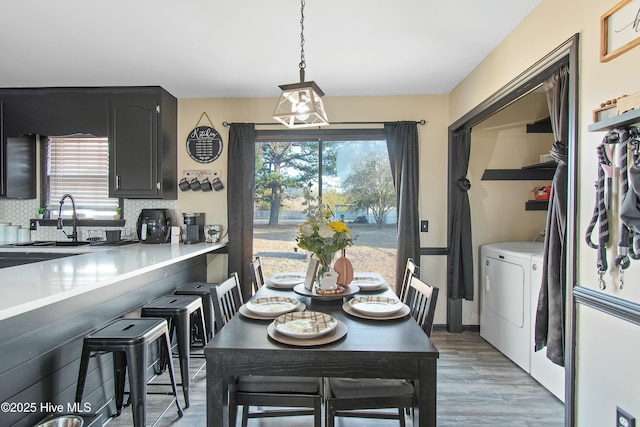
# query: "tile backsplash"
[[19, 212]]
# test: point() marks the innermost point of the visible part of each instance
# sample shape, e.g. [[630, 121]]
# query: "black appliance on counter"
[[193, 228], [154, 226]]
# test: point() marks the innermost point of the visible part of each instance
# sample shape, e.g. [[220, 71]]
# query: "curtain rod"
[[420, 122]]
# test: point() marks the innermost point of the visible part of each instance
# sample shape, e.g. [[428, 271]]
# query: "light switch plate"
[[424, 226], [624, 419]]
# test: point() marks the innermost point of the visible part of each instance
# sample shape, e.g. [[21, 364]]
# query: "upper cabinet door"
[[133, 148], [20, 175], [3, 156], [17, 164], [142, 144]]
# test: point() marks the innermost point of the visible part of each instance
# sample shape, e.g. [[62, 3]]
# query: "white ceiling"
[[233, 48]]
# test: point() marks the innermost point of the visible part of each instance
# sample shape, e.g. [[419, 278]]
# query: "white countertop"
[[32, 286]]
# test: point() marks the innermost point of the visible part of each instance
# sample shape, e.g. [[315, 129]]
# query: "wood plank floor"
[[477, 386]]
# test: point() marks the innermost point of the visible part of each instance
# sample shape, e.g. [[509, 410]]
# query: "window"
[[79, 165], [350, 170]]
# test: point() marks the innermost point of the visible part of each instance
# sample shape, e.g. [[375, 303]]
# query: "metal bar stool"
[[203, 290], [128, 339], [177, 309]]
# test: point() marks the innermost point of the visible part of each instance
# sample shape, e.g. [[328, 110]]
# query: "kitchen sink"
[[61, 243], [69, 243]]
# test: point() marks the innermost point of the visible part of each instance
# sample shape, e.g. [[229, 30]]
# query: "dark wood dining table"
[[371, 349]]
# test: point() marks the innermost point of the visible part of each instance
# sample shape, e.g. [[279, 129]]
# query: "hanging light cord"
[[303, 63]]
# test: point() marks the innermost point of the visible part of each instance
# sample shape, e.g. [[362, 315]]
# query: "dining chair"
[[258, 275], [293, 396], [227, 299], [348, 397], [410, 270], [421, 299]]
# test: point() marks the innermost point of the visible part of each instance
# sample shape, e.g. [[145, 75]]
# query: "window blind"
[[79, 166]]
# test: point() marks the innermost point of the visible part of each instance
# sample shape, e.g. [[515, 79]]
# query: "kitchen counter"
[[31, 286], [48, 307]]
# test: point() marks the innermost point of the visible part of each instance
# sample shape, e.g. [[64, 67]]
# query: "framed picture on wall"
[[619, 29]]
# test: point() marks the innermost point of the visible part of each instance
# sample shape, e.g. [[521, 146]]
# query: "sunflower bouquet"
[[322, 237]]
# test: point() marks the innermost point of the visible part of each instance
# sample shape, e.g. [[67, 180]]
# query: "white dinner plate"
[[244, 311], [403, 312], [338, 333], [373, 289], [286, 280], [368, 282], [305, 324], [272, 306], [376, 305]]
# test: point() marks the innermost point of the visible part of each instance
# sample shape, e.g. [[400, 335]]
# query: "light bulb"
[[302, 106]]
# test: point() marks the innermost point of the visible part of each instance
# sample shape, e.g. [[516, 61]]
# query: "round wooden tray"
[[349, 291]]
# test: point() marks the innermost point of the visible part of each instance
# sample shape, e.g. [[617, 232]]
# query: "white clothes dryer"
[[505, 311]]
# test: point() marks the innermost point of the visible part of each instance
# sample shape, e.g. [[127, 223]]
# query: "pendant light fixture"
[[300, 104]]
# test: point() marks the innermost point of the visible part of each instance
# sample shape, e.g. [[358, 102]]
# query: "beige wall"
[[433, 159], [604, 378]]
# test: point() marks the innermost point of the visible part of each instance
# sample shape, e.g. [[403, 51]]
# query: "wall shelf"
[[551, 164], [536, 205], [626, 119], [541, 126], [536, 172]]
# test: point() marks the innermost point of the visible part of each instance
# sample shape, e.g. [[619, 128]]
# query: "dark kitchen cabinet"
[[141, 123], [17, 164], [142, 130]]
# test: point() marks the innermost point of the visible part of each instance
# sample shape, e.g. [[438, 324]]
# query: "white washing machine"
[[547, 373], [505, 312]]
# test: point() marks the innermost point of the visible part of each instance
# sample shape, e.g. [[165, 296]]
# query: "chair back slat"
[[258, 276], [227, 299], [421, 299], [410, 270]]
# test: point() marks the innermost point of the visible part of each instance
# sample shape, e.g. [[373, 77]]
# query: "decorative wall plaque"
[[204, 143]]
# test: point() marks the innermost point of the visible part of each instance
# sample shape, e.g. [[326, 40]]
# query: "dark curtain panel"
[[402, 144], [550, 313], [240, 191], [461, 254]]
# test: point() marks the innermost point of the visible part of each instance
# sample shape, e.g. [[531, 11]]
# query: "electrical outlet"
[[33, 225], [623, 419], [424, 226]]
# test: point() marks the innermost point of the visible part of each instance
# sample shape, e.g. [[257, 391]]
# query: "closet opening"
[[463, 290]]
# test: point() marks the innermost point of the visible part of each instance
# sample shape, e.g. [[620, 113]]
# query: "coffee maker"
[[193, 228]]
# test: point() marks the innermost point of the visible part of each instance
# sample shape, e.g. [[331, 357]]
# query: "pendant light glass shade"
[[300, 105]]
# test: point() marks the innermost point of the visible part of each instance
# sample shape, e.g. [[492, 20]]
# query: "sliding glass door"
[[348, 171]]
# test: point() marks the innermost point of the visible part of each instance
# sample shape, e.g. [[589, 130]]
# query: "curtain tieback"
[[464, 184], [559, 152]]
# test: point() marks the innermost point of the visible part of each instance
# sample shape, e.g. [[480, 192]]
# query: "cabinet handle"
[[158, 185], [117, 182]]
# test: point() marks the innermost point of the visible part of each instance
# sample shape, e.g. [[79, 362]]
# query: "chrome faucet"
[[74, 233]]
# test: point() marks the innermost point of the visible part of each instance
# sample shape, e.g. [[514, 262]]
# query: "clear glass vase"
[[326, 277]]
